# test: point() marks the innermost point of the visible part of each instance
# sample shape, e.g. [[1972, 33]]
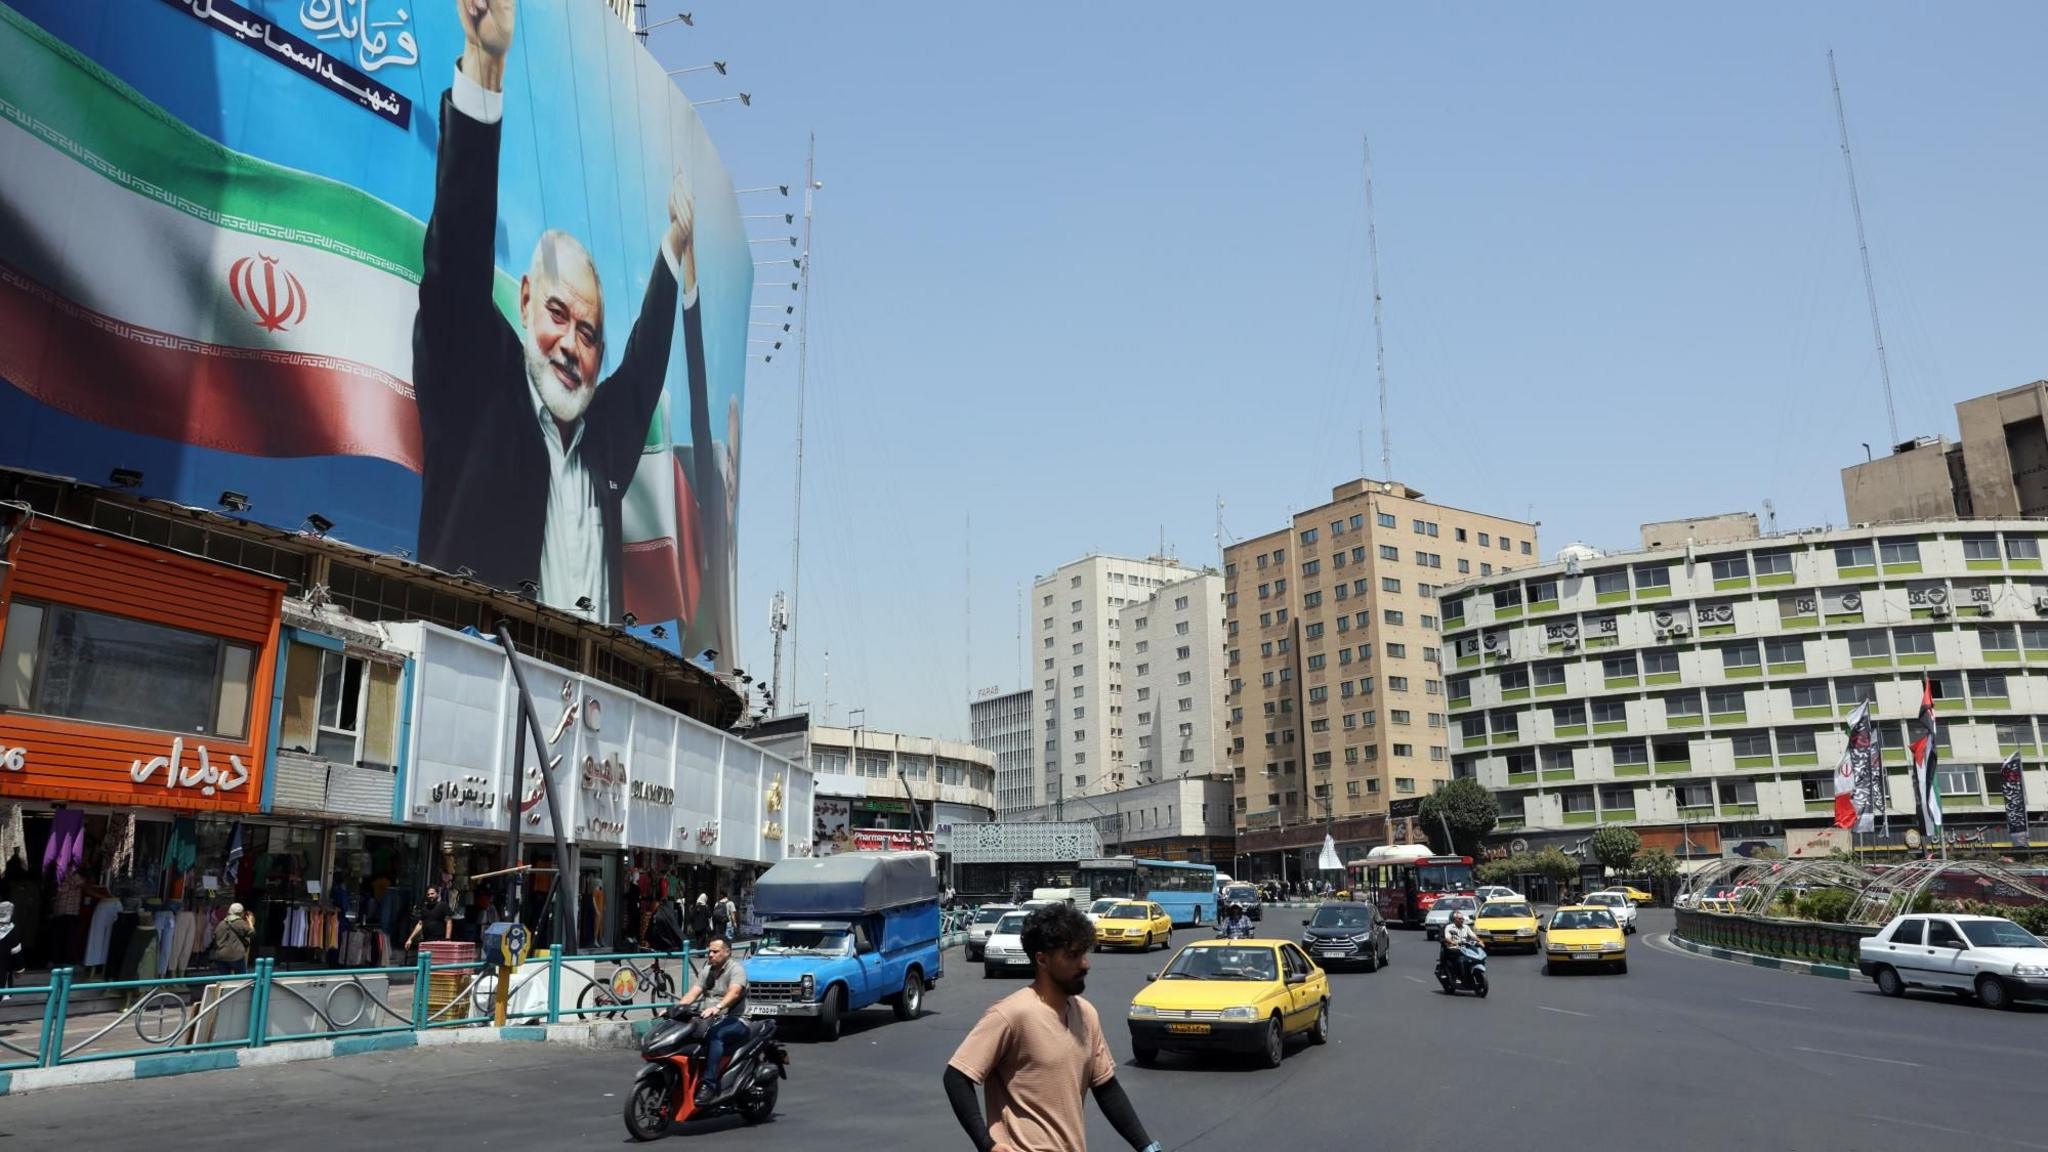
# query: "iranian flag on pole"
[[1849, 810], [157, 281], [1926, 763]]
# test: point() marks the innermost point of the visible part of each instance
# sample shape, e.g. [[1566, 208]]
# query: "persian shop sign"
[[201, 773]]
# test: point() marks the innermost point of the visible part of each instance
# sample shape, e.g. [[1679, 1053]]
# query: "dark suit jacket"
[[484, 483]]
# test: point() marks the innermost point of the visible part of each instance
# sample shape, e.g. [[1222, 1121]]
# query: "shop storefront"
[[654, 805], [134, 724]]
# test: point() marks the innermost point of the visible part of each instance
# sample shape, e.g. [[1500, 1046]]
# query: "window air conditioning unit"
[[2041, 605], [1680, 628], [1570, 643], [1939, 611]]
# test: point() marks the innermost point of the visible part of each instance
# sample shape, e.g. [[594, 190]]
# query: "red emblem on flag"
[[270, 294]]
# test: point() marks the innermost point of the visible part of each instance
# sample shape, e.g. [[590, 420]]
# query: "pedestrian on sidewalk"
[[433, 923], [1037, 1050], [721, 919], [232, 938]]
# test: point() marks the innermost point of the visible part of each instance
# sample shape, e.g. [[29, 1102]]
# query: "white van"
[[1075, 896]]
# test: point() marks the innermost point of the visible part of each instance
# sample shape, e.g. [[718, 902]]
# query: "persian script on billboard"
[[469, 285]]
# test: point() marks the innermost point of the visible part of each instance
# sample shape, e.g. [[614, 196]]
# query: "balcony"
[[1788, 668], [1569, 731], [1509, 695], [1673, 767], [1619, 815], [1521, 777], [1550, 689], [2001, 655], [1987, 703], [1621, 682], [1620, 597], [1684, 720], [1565, 773], [1741, 671], [1577, 819], [1914, 659], [1751, 762], [1631, 769], [1856, 571], [1814, 712], [1883, 661], [1799, 758], [1610, 726], [1738, 809], [1655, 678], [1731, 584]]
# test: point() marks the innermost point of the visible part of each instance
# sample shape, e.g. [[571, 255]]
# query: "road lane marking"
[[1775, 1004], [1563, 1011], [1952, 1131], [1859, 1056], [1532, 1056], [1418, 979]]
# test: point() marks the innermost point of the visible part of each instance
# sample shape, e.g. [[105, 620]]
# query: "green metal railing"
[[268, 1005]]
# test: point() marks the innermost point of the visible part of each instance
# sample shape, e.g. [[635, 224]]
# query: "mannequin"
[[10, 949]]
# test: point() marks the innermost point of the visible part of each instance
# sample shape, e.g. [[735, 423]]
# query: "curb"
[[601, 1034], [1758, 960]]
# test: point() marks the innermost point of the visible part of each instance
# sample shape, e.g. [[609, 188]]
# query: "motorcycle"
[[1225, 932], [665, 1091], [1470, 973]]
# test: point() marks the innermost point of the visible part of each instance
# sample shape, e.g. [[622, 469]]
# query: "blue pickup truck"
[[841, 933]]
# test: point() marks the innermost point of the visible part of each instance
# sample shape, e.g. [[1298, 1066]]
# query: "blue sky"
[[1077, 264]]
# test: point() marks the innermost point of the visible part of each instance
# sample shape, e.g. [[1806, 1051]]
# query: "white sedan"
[[1096, 909], [1004, 952], [1618, 903], [1988, 957]]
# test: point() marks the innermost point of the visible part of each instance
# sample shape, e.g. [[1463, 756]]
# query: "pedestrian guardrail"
[[268, 1005], [1767, 936]]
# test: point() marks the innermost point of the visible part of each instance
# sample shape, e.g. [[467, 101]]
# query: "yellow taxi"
[[1635, 895], [1584, 936], [1133, 924], [1507, 924], [1232, 996]]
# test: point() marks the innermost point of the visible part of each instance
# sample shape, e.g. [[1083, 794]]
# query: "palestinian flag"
[[1851, 805], [1926, 763]]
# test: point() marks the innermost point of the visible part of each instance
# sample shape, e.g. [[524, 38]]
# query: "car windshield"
[[1129, 912], [990, 915], [1571, 918], [1011, 923], [1505, 912], [1101, 906], [775, 939], [1999, 934], [1242, 893], [1329, 916], [1455, 904], [1223, 964], [1609, 898]]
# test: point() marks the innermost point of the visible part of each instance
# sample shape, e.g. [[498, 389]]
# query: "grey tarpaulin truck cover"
[[849, 884]]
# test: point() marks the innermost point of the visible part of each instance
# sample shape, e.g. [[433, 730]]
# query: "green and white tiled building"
[[1703, 686]]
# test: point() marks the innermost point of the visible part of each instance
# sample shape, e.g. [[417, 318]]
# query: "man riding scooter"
[[1236, 925], [723, 987], [1456, 937]]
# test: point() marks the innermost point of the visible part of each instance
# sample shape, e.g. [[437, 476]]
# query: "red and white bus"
[[1405, 880]]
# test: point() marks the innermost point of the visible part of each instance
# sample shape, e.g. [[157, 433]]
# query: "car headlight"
[[810, 986], [1143, 1012], [2030, 970], [1363, 938], [1242, 1012], [1525, 931]]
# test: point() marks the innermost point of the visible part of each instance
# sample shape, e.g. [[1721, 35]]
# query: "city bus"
[[1405, 880], [1186, 890]]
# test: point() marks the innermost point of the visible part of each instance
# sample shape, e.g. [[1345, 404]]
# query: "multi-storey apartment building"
[[1337, 701], [1697, 691], [1174, 682], [1000, 723], [1080, 667]]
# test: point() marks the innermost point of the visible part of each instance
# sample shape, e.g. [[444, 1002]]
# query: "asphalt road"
[[1682, 1053]]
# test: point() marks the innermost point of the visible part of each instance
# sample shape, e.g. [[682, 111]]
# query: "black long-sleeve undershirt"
[[1109, 1095]]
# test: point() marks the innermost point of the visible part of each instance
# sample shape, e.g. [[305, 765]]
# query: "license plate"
[[764, 1009], [1329, 952], [1020, 961], [1585, 956], [1189, 1029]]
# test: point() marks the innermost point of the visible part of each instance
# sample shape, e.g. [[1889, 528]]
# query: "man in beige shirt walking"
[[1037, 1052]]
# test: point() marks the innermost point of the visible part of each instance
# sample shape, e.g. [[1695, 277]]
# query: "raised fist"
[[487, 24]]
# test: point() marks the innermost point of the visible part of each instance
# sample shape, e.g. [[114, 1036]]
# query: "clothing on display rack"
[[99, 935], [181, 851], [181, 942], [121, 835], [66, 850]]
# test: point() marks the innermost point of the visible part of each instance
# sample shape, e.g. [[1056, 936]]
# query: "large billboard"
[[463, 278]]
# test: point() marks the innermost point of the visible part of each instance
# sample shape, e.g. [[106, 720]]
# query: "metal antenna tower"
[[778, 623], [1379, 342], [1884, 368], [803, 346]]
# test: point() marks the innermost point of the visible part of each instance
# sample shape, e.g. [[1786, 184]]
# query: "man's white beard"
[[563, 404]]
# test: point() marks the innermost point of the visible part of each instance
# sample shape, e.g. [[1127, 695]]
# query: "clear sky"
[[1084, 268]]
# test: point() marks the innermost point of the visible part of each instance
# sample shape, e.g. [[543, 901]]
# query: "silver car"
[[1440, 914], [984, 922]]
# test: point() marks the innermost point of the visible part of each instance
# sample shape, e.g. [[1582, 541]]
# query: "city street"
[[1683, 1052]]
